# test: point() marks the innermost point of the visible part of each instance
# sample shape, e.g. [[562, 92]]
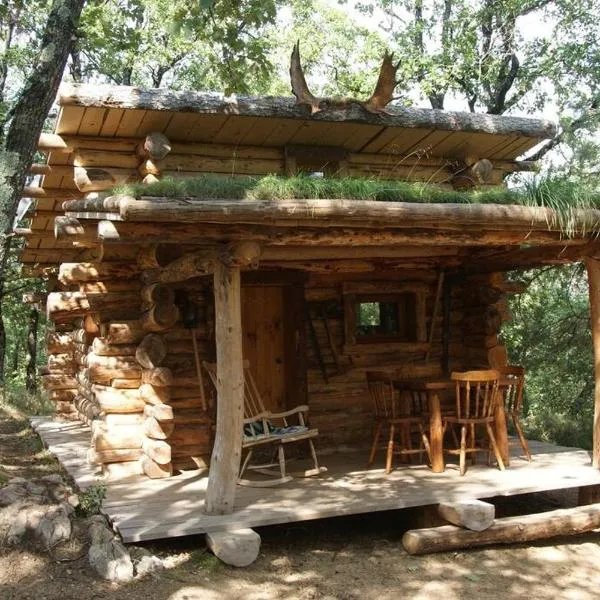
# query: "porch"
[[144, 509]]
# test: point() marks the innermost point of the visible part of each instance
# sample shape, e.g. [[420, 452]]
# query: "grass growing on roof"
[[555, 193]]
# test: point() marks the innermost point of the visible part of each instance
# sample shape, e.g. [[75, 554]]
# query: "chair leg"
[[495, 448], [246, 462], [521, 435], [375, 442], [281, 454], [425, 441], [313, 453], [454, 437], [463, 450], [390, 452], [473, 444], [408, 442]]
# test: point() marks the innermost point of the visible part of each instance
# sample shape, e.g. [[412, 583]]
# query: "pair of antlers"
[[382, 96]]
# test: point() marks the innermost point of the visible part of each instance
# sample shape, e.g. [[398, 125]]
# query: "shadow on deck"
[[144, 509]]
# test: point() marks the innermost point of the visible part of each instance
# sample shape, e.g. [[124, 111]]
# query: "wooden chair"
[[476, 397], [513, 401], [263, 428], [388, 413]]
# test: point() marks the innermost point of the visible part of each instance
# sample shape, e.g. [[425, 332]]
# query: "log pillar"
[[593, 272], [227, 450]]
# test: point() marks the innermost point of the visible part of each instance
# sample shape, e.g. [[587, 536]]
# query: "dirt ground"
[[338, 559]]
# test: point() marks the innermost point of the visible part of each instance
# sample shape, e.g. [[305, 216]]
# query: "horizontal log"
[[347, 236], [102, 348], [158, 450], [155, 394], [182, 415], [68, 305], [92, 95], [191, 463], [58, 382], [57, 343], [122, 471], [98, 457], [108, 287], [30, 191], [117, 437], [199, 450], [355, 213], [130, 332], [112, 400], [125, 384], [159, 377], [510, 530], [83, 272], [184, 435], [94, 179], [154, 470], [160, 317], [158, 430], [471, 514], [151, 352], [65, 408], [111, 419], [160, 412], [62, 395], [68, 229]]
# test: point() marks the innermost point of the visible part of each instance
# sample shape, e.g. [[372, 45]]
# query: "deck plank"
[[153, 509]]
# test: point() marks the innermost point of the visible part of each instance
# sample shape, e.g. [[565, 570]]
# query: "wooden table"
[[433, 387]]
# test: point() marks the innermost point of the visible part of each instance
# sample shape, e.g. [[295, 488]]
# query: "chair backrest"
[[476, 393], [383, 394], [512, 388], [253, 404]]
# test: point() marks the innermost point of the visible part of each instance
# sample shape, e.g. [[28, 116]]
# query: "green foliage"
[[90, 500], [560, 194], [28, 404], [550, 336]]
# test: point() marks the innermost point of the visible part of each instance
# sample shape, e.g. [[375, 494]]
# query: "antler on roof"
[[299, 87], [386, 83]]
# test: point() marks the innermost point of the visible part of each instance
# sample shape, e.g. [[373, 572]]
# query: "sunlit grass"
[[564, 197]]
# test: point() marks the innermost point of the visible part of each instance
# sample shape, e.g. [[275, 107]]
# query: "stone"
[[111, 561], [54, 527], [54, 479], [35, 489], [26, 521], [148, 564], [99, 532], [238, 548], [11, 493], [73, 500], [17, 481]]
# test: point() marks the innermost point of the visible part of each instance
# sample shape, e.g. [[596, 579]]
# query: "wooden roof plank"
[[129, 123], [93, 95], [92, 121], [112, 122], [69, 120]]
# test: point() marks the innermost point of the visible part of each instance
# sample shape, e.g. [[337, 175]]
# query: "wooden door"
[[264, 343]]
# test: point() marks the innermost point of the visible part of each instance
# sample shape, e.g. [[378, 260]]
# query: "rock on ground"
[[238, 548], [111, 561]]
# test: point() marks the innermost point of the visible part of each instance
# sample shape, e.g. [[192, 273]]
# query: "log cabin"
[[143, 289]]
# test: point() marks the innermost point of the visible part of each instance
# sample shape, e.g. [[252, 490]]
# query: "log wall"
[[126, 364]]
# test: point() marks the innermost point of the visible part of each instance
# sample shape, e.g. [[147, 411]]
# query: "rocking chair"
[[260, 430]]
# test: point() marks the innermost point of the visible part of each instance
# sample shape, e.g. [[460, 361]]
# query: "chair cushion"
[[254, 430]]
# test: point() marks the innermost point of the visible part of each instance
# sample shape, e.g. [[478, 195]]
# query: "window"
[[389, 318], [384, 312]]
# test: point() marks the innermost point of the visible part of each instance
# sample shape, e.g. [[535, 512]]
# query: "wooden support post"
[[227, 450], [593, 271]]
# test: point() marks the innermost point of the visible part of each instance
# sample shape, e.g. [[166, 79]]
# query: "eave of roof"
[[121, 97]]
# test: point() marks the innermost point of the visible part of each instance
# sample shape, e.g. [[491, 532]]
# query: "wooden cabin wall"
[[340, 406], [127, 366]]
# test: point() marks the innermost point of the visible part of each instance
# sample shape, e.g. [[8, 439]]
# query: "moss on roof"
[[556, 193]]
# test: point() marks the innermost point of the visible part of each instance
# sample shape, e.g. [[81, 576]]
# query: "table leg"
[[501, 432], [436, 433]]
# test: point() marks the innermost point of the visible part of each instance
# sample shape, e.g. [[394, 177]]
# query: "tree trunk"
[[31, 383], [30, 112]]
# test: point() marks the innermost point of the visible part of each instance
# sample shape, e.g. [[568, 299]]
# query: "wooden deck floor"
[[150, 509]]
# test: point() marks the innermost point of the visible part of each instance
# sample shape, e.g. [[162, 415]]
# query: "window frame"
[[364, 292]]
